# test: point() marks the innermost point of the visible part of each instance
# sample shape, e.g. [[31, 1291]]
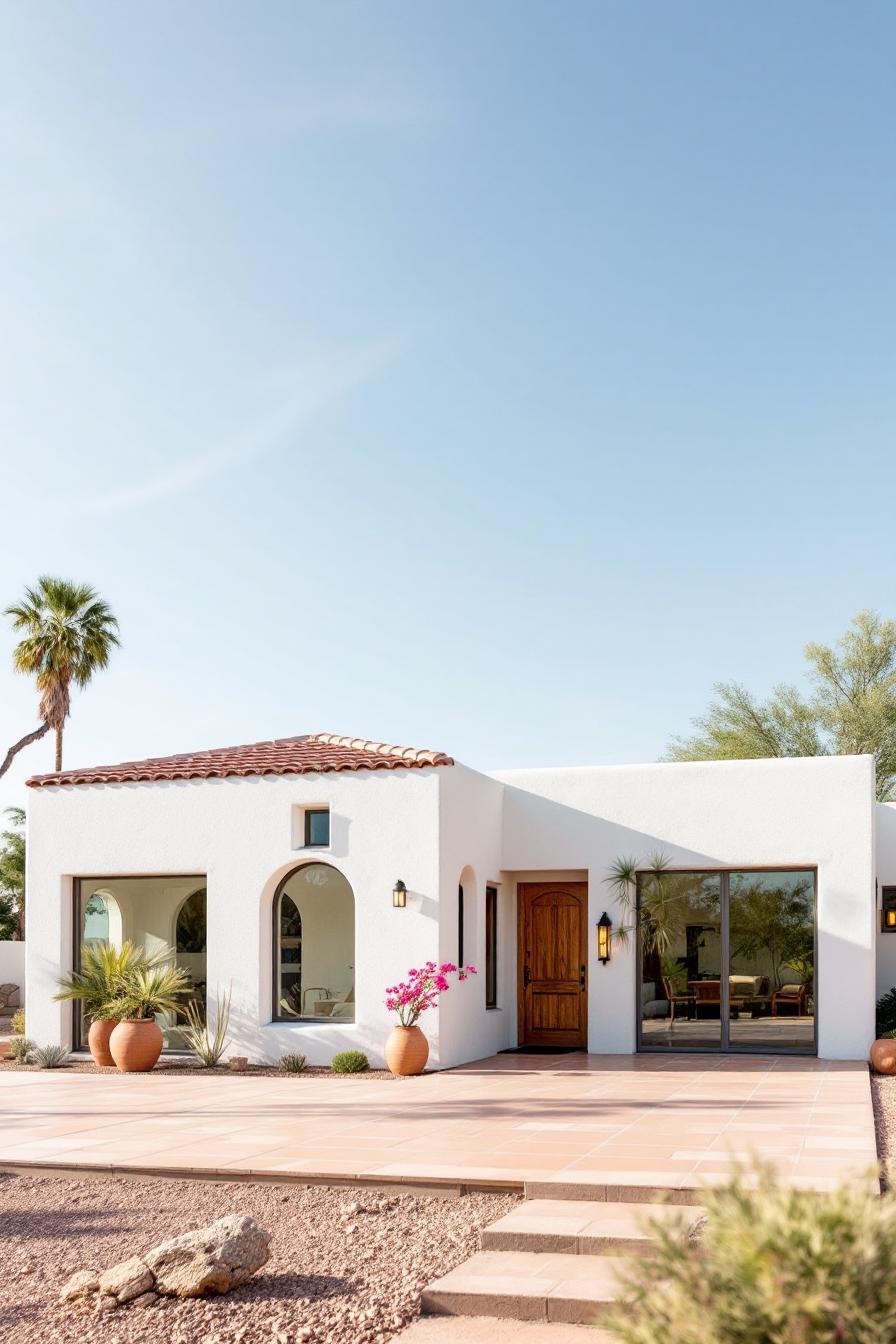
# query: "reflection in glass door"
[[771, 954], [734, 965]]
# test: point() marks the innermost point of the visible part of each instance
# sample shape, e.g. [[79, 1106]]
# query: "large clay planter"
[[98, 1041], [407, 1051], [136, 1045], [883, 1056]]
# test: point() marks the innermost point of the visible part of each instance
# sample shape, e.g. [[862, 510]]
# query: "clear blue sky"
[[493, 377]]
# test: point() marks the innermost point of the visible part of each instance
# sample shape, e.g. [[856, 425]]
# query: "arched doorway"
[[314, 946]]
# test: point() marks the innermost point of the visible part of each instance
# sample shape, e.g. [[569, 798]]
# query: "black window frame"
[[310, 814], [491, 946], [460, 923]]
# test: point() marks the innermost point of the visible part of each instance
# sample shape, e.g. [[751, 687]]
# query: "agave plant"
[[146, 992], [50, 1056], [204, 1045], [104, 972]]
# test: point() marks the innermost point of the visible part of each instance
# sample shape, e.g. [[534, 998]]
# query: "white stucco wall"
[[12, 966], [726, 814], [886, 877], [239, 832]]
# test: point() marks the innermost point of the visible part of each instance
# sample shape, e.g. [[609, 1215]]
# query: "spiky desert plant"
[[148, 991], [350, 1061], [17, 1022], [21, 1049], [69, 633], [770, 1263], [50, 1056], [293, 1063], [207, 1046], [104, 973]]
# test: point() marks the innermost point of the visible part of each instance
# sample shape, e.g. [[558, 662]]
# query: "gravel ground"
[[347, 1265], [883, 1096], [188, 1069]]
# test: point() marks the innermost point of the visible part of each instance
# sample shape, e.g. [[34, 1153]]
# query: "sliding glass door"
[[727, 961]]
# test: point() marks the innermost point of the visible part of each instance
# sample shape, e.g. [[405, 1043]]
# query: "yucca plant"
[[50, 1056], [146, 992], [770, 1265], [293, 1063], [103, 974], [207, 1046]]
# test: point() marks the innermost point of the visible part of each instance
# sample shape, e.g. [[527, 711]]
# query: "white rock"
[[127, 1280], [211, 1260], [80, 1286]]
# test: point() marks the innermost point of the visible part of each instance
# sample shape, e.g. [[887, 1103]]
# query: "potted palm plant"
[[104, 970], [136, 1042]]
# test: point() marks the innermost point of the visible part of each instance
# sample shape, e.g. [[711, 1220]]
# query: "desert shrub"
[[17, 1022], [294, 1063], [769, 1263], [21, 1049], [50, 1056], [205, 1046], [350, 1061], [886, 1013]]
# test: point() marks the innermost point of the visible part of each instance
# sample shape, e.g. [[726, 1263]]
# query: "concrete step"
[[487, 1330], [528, 1286], [581, 1227], [610, 1189]]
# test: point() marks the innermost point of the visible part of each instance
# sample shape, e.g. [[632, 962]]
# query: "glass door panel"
[[771, 944], [681, 980]]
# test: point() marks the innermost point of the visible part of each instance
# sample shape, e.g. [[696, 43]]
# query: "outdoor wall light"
[[888, 910], [604, 927], [399, 895]]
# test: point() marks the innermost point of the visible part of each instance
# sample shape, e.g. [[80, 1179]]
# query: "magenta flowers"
[[421, 990]]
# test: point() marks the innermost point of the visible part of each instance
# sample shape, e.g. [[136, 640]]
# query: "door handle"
[[526, 976], [582, 977]]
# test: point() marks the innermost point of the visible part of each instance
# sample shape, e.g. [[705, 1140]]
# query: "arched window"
[[460, 924], [190, 932], [314, 946]]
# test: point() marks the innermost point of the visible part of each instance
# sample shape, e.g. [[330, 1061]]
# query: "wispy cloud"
[[302, 392]]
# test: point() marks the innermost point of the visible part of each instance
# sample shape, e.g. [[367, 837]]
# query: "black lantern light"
[[604, 927], [399, 895]]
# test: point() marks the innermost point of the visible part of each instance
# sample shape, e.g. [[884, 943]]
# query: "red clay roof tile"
[[314, 753]]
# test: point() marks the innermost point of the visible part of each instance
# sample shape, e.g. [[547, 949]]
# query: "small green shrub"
[[17, 1022], [770, 1263], [50, 1056], [886, 1013], [294, 1063], [21, 1049], [350, 1061]]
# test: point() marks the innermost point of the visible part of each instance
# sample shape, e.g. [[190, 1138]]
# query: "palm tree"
[[69, 634]]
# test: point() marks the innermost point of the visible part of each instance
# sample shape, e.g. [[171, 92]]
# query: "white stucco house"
[[306, 874]]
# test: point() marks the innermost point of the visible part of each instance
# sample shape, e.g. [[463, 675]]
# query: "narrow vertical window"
[[491, 947], [460, 926]]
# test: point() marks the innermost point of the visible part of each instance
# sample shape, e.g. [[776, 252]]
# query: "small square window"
[[317, 827]]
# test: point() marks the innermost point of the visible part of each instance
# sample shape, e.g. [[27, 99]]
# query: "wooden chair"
[[675, 997], [794, 996]]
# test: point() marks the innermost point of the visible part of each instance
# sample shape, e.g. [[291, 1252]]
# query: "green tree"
[[69, 633], [12, 876], [851, 708]]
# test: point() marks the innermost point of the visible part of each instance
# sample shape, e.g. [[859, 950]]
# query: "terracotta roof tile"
[[315, 753]]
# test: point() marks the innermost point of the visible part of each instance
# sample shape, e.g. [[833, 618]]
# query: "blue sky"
[[487, 377]]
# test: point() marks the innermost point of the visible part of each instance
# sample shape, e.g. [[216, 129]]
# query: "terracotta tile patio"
[[625, 1123]]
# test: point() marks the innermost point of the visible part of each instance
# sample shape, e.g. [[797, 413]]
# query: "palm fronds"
[[148, 991]]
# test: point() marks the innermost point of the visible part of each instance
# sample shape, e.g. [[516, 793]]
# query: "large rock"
[[127, 1280], [81, 1289], [211, 1260]]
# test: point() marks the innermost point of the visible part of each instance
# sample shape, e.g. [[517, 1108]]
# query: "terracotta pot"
[[98, 1041], [407, 1051], [136, 1045], [883, 1056]]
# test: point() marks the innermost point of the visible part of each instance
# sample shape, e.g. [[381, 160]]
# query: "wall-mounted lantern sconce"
[[399, 895], [888, 909], [604, 927]]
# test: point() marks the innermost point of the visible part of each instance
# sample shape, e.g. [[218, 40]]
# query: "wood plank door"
[[553, 963]]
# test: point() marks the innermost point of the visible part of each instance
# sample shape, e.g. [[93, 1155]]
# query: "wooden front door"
[[553, 963]]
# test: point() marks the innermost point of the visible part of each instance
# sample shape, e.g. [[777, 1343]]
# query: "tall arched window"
[[190, 930], [314, 946]]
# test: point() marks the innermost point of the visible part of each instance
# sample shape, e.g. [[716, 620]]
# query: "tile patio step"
[[580, 1227], [609, 1189], [528, 1286]]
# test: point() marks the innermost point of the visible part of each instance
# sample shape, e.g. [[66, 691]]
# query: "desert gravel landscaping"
[[883, 1096], [347, 1265]]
